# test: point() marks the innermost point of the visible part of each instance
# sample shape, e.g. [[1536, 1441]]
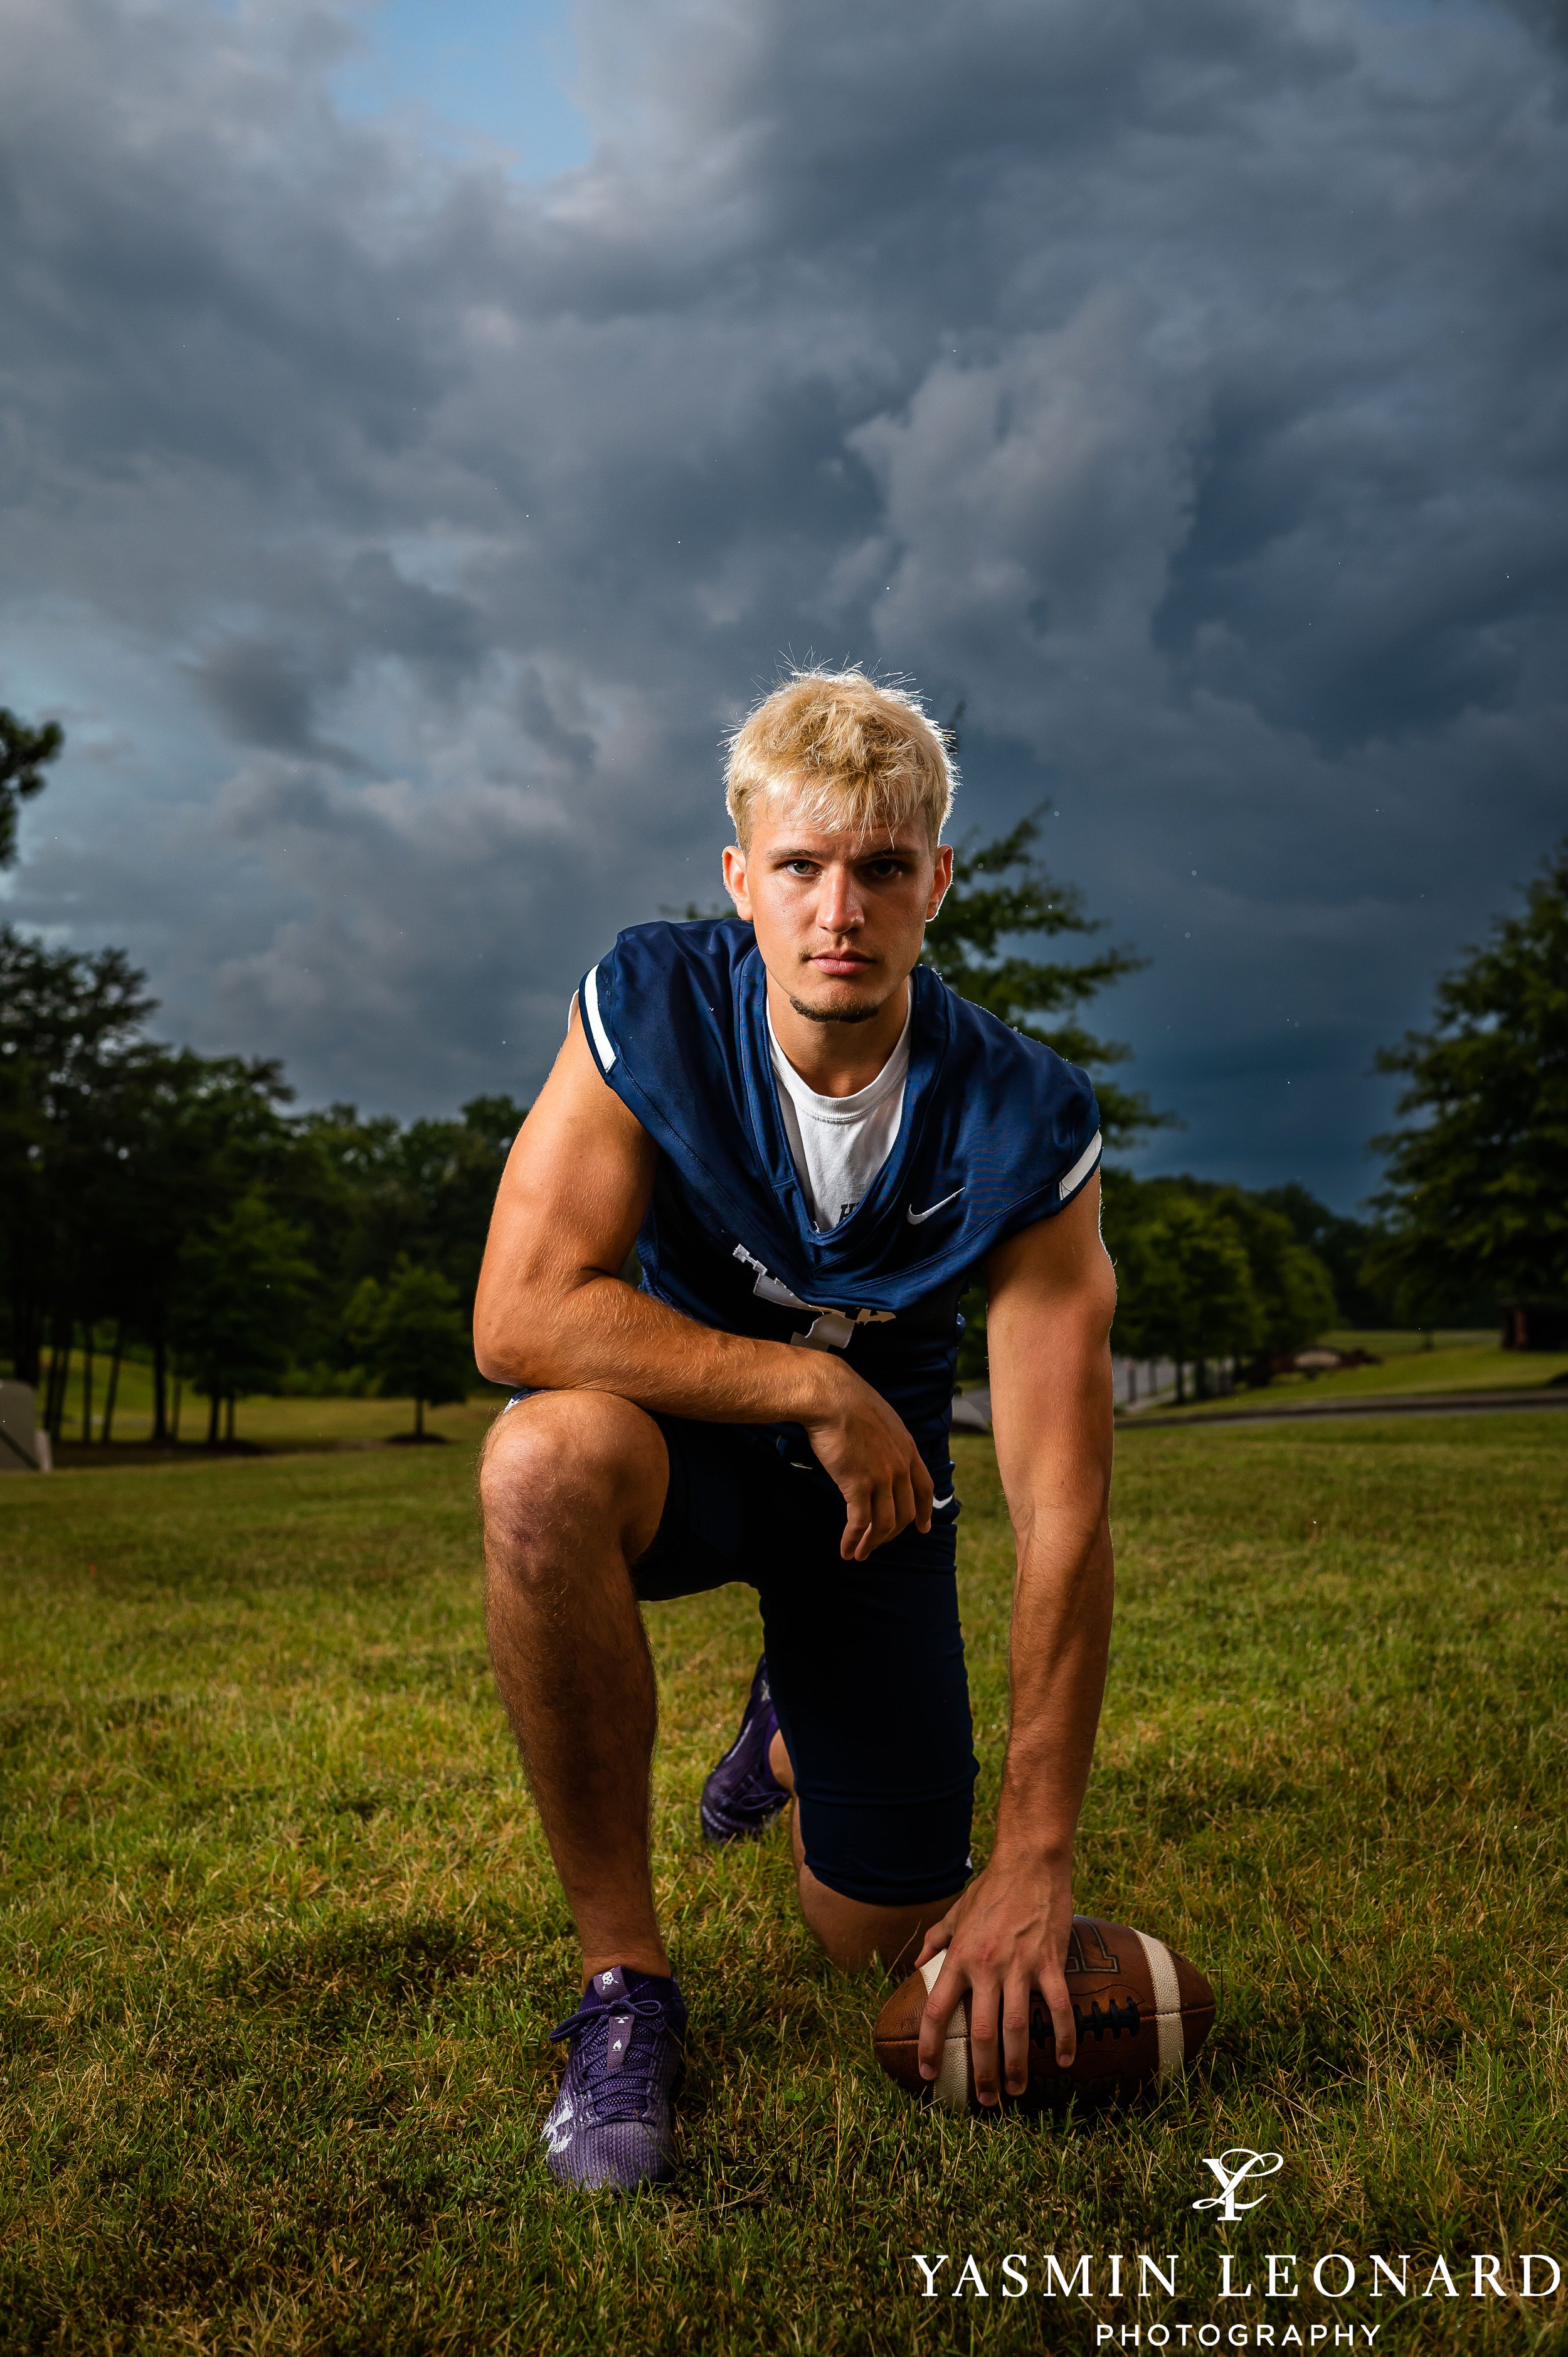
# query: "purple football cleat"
[[742, 1794], [611, 2125]]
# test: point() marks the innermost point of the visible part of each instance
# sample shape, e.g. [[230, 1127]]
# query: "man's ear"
[[735, 880], [940, 881]]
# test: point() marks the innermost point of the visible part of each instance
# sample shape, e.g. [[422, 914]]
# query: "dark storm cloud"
[[1185, 388], [264, 693]]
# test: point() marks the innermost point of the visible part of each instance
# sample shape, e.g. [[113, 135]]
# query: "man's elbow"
[[494, 1364], [527, 1325], [507, 1330], [492, 1360]]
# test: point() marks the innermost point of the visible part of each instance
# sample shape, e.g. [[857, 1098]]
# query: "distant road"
[[1392, 1404]]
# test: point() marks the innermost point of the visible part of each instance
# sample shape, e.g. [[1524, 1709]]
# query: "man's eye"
[[799, 867], [884, 869]]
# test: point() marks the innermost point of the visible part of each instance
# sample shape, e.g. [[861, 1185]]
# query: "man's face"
[[839, 916]]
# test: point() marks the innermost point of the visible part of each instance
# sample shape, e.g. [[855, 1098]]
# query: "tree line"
[[1473, 1214], [1212, 1273], [176, 1206], [1204, 1271]]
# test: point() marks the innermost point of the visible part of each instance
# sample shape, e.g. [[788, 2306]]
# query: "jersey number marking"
[[830, 1330]]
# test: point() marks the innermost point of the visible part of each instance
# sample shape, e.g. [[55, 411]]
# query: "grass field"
[[281, 1946], [295, 1426], [1455, 1361], [262, 1421]]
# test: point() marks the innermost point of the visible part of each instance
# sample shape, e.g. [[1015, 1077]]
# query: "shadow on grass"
[[339, 1982]]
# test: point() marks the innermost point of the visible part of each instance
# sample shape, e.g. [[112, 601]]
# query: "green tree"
[[415, 1338], [1185, 1287], [371, 1193], [69, 1041], [242, 1285], [213, 1133], [123, 1160], [24, 754], [1002, 894], [1476, 1199], [114, 1151], [1292, 1287], [1344, 1246]]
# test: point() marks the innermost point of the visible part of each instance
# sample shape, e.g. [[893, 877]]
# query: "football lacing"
[[1092, 2024]]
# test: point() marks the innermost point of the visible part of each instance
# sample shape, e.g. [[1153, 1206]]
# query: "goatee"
[[860, 1014]]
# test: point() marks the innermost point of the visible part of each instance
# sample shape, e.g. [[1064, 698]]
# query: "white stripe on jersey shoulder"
[[1080, 1168], [602, 1040]]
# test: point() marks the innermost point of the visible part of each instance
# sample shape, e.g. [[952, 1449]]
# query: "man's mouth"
[[840, 963]]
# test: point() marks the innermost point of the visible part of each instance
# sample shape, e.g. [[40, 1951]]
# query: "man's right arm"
[[553, 1313]]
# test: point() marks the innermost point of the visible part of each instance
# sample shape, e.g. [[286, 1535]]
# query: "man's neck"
[[837, 1059]]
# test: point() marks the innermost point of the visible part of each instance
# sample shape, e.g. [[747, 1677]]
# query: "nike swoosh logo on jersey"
[[914, 1217]]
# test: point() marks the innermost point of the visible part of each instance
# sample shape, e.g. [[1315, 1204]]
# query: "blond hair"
[[861, 755]]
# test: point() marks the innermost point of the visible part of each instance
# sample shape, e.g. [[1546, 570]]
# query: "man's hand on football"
[[1005, 1938], [862, 1444]]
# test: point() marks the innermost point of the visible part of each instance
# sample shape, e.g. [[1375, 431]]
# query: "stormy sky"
[[423, 430]]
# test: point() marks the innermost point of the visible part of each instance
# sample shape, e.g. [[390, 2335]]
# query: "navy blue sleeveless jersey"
[[997, 1131]]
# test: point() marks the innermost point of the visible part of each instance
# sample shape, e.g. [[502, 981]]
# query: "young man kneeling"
[[814, 1146]]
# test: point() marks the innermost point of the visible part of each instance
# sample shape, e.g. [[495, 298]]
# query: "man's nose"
[[838, 907]]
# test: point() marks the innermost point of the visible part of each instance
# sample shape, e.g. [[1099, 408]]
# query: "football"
[[1142, 2013]]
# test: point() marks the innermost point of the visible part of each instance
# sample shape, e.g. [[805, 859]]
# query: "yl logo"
[[1234, 2168]]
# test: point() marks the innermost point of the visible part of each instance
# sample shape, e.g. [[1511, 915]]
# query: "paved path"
[[1392, 1403]]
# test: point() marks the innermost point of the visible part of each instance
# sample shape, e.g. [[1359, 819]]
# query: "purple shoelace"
[[614, 2071]]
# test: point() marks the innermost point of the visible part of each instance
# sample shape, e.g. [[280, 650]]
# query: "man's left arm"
[[1052, 1294]]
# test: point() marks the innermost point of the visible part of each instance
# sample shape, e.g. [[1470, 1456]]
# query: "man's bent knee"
[[565, 1471], [853, 1933]]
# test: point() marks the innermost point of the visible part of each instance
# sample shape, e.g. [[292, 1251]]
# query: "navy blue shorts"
[[864, 1660]]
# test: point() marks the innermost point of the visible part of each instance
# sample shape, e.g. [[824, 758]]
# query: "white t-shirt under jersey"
[[841, 1143]]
